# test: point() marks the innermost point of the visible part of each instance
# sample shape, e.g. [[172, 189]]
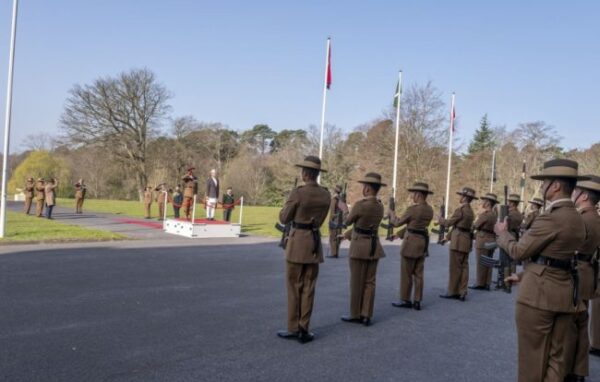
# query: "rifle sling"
[[316, 234], [373, 235]]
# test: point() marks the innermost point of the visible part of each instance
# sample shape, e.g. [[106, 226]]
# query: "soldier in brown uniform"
[[365, 249], [80, 191], [515, 218], [536, 204], [162, 198], [338, 210], [547, 302], [585, 197], [40, 196], [148, 202], [415, 244], [461, 242], [190, 189], [29, 188], [306, 209], [484, 233]]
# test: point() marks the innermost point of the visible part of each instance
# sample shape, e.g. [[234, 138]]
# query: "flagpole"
[[492, 180], [523, 185], [8, 115], [324, 97], [395, 174], [449, 156]]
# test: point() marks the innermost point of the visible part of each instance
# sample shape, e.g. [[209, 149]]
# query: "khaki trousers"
[[363, 274], [459, 273], [187, 206], [579, 346], [161, 210], [595, 324], [484, 274], [301, 282], [39, 207], [334, 244], [79, 205], [27, 207], [147, 210], [542, 337], [411, 273]]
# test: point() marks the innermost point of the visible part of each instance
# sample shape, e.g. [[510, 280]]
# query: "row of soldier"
[[179, 198], [557, 243], [44, 194]]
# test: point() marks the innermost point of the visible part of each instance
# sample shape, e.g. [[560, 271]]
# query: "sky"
[[248, 62]]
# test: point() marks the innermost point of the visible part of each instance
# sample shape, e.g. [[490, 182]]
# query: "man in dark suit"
[[212, 194]]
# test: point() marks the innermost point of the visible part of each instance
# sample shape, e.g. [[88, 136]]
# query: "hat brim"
[[536, 203], [467, 195], [311, 168], [490, 199], [544, 177], [369, 182], [419, 190]]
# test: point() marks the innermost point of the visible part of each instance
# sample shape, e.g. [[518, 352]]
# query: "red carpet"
[[158, 224]]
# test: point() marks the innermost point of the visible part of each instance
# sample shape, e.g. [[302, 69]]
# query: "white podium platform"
[[202, 229]]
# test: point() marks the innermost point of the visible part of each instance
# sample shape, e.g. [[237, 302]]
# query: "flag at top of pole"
[[326, 85], [450, 140]]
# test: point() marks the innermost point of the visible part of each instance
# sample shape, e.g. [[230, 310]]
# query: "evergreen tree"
[[484, 137]]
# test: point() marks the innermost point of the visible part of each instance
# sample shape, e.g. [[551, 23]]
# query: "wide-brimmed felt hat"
[[420, 187], [30, 179], [468, 192], [312, 162], [372, 178], [40, 180], [514, 198], [337, 188], [559, 168], [491, 197], [537, 201], [191, 169], [592, 184]]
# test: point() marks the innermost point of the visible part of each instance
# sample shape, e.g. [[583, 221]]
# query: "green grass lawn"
[[23, 228]]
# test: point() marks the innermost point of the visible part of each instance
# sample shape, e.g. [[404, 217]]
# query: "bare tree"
[[119, 114]]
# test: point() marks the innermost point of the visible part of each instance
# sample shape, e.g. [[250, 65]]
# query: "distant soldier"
[[365, 249], [415, 246], [228, 204], [306, 209], [547, 299], [461, 241], [484, 233], [80, 191], [338, 211], [536, 204], [148, 202], [50, 196], [190, 189], [515, 218], [162, 198], [212, 194], [585, 197], [29, 190], [40, 196], [177, 201]]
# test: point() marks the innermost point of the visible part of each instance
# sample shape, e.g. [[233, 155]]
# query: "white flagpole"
[[8, 116], [493, 171], [395, 174], [449, 157], [324, 98]]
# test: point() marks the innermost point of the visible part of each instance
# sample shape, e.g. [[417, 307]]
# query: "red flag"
[[328, 65], [452, 117]]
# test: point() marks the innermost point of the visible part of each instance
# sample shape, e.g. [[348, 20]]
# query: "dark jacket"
[[212, 189]]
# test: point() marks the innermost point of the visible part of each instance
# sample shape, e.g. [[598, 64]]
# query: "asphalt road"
[[179, 311]]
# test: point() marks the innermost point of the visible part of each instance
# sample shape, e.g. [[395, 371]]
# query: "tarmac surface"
[[208, 310]]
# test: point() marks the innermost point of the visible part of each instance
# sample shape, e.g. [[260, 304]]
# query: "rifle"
[[285, 228], [504, 262], [390, 228], [338, 221], [441, 231]]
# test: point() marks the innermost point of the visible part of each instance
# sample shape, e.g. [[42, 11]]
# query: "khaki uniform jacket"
[[484, 225], [29, 187], [591, 219], [40, 191], [515, 219], [417, 217], [147, 197], [50, 194], [529, 220], [460, 239], [306, 204], [79, 191], [366, 214], [557, 233], [190, 186], [332, 207]]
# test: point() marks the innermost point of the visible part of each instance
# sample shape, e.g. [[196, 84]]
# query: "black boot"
[[287, 334], [594, 351], [462, 297], [476, 287], [304, 336], [357, 320], [450, 296], [366, 321], [403, 304], [417, 305]]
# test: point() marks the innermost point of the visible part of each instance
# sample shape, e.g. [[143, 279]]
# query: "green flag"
[[397, 94]]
